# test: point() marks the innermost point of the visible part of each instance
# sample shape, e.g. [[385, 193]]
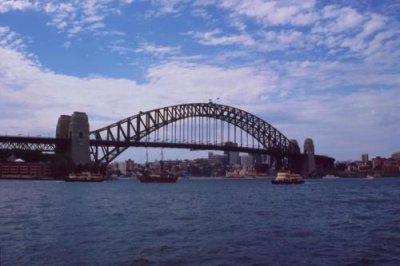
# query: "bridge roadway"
[[27, 143], [52, 144], [48, 144]]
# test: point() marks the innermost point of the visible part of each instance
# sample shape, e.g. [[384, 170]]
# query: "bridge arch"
[[134, 129]]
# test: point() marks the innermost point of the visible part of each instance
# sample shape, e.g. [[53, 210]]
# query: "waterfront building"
[[24, 170], [364, 157], [390, 167], [377, 163]]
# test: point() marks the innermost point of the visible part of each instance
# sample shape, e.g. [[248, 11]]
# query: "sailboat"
[[162, 177]]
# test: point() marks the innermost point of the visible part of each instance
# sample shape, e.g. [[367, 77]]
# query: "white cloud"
[[45, 94], [315, 95], [270, 12], [11, 5], [157, 50], [336, 19], [298, 113], [217, 37], [10, 39]]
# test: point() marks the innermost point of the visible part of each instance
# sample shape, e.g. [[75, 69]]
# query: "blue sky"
[[328, 70]]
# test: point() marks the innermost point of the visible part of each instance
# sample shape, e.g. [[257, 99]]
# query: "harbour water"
[[200, 222]]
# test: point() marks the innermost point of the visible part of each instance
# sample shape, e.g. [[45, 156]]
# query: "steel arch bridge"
[[195, 126]]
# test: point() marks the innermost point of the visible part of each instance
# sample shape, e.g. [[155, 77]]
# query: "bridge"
[[196, 126]]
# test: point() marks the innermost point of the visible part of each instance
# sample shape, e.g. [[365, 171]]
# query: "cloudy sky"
[[328, 70]]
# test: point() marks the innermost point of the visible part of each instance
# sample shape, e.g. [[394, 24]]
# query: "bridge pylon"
[[76, 129]]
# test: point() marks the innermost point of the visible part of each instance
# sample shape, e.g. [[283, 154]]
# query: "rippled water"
[[200, 222]]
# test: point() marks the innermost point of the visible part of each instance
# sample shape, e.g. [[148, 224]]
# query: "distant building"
[[390, 167], [377, 163], [247, 162], [217, 158], [364, 157], [396, 156], [122, 167], [233, 156], [130, 165]]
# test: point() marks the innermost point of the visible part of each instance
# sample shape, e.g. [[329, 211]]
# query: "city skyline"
[[325, 70]]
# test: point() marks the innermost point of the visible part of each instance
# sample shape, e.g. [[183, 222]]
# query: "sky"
[[326, 70]]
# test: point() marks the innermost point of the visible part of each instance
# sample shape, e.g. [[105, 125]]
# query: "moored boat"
[[85, 177], [157, 178], [286, 177], [160, 176], [330, 177]]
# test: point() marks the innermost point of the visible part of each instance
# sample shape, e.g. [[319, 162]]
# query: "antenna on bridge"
[[216, 100]]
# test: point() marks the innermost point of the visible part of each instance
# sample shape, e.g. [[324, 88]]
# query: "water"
[[200, 222]]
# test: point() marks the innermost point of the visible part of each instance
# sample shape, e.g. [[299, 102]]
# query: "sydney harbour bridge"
[[196, 126]]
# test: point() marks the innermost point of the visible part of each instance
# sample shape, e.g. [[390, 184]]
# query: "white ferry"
[[85, 177], [286, 177]]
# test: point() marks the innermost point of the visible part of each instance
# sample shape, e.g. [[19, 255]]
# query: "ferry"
[[330, 177], [286, 177], [85, 177], [246, 174]]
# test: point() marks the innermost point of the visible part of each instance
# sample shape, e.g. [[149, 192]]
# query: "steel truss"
[[110, 141], [31, 143]]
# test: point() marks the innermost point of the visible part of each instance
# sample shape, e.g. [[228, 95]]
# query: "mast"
[[162, 161]]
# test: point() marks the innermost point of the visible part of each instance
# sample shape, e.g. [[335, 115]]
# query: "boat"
[[330, 177], [162, 177], [85, 177], [286, 177], [370, 177], [236, 174], [246, 174]]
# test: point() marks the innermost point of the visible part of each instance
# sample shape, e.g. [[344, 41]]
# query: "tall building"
[[233, 156], [130, 165], [364, 157]]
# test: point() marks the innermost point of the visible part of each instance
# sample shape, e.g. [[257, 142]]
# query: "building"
[[217, 158], [233, 156], [390, 167], [247, 162], [377, 163], [130, 165], [396, 156], [364, 158], [25, 170]]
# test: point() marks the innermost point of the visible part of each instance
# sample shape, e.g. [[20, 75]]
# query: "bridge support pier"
[[75, 128]]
